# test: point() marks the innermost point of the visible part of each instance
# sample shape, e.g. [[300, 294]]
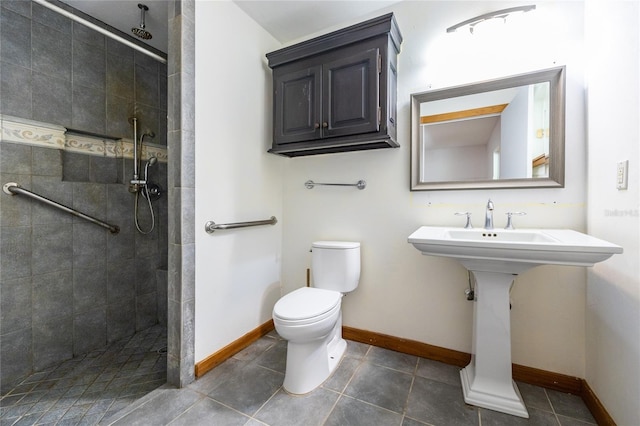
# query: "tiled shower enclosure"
[[67, 286]]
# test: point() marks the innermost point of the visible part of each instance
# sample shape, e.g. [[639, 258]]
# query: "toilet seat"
[[306, 305]]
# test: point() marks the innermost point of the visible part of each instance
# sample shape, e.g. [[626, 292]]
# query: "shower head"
[[140, 31], [152, 161]]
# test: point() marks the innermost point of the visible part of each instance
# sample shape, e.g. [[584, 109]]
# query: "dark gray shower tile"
[[52, 296], [569, 405], [88, 110], [146, 310], [50, 51], [89, 246], [146, 61], [91, 199], [15, 357], [120, 76], [439, 371], [75, 167], [439, 403], [15, 210], [351, 412], [52, 248], [89, 331], [84, 34], [161, 296], [119, 110], [15, 84], [89, 289], [52, 342], [15, 38], [248, 390], [121, 246], [16, 159], [18, 6], [292, 410], [121, 280], [146, 83], [89, 65], [380, 386], [392, 359], [54, 189], [15, 250], [121, 319], [146, 244], [52, 19], [147, 120], [207, 411], [119, 49], [145, 274], [15, 304], [51, 99], [47, 162]]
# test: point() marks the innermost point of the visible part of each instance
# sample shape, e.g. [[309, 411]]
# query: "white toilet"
[[310, 318]]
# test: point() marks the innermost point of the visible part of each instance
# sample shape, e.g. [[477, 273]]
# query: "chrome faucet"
[[488, 220]]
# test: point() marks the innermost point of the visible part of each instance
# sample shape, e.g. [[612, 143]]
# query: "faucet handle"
[[510, 221], [468, 214]]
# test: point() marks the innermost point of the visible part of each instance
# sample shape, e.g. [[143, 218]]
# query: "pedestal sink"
[[495, 257]]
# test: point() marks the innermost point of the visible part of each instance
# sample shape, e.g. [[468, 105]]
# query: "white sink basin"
[[513, 250], [494, 258]]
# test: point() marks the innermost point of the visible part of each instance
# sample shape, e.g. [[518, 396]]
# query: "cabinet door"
[[297, 99], [351, 87]]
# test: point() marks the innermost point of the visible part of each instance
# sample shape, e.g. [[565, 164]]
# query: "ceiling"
[[285, 20]]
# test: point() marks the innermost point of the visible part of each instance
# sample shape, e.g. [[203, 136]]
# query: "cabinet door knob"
[[325, 124], [316, 126]]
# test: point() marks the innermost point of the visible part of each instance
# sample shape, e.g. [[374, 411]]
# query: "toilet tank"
[[335, 265]]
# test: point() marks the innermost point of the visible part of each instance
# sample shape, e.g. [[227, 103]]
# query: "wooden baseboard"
[[521, 373], [232, 348], [595, 406], [406, 346]]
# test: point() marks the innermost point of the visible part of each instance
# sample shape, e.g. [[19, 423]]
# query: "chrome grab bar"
[[211, 226], [13, 188], [361, 184]]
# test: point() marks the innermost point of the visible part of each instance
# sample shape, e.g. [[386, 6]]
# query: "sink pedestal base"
[[487, 381]]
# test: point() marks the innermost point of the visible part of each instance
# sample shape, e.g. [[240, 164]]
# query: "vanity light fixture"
[[498, 14]]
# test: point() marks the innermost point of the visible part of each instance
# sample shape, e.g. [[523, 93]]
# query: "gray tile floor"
[[372, 386], [88, 388]]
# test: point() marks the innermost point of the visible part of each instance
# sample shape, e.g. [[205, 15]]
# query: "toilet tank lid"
[[336, 244]]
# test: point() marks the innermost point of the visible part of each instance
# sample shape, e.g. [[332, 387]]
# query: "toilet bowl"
[[310, 318]]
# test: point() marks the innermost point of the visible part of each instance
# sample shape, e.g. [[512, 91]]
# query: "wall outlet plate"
[[622, 175]]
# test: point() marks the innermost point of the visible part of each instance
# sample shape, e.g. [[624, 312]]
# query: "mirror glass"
[[504, 133]]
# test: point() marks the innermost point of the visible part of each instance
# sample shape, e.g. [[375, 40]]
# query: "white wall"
[[613, 287], [237, 271], [401, 292]]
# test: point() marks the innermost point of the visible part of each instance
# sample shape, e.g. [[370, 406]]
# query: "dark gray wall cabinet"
[[337, 92]]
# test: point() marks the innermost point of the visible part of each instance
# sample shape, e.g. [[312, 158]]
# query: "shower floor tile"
[[88, 388]]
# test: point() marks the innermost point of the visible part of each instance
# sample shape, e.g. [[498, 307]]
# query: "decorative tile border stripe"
[[29, 132]]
